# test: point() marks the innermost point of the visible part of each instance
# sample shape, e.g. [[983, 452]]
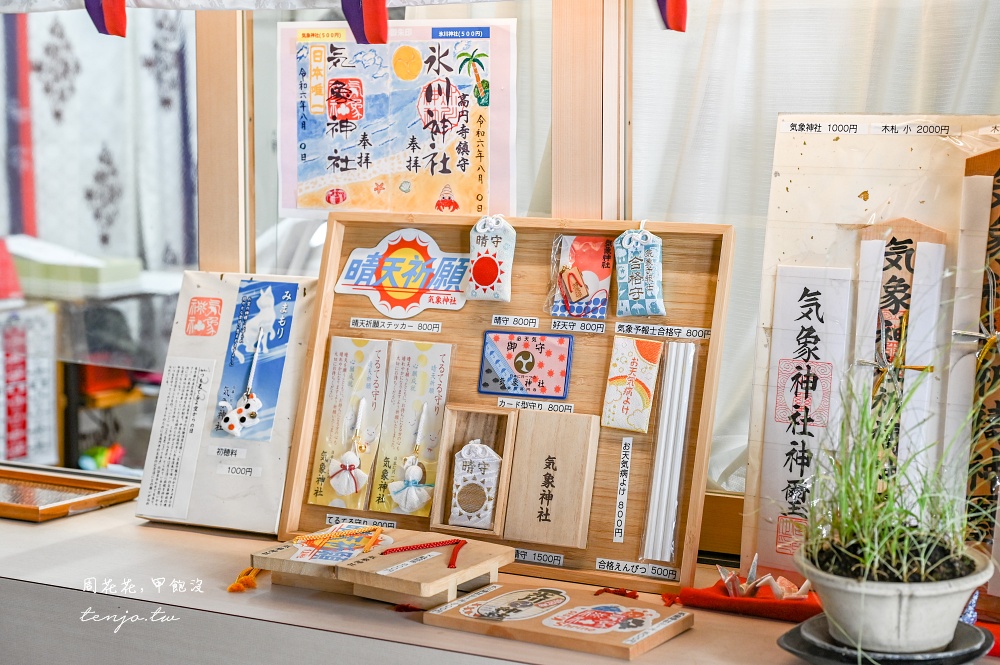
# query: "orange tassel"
[[245, 580], [669, 598]]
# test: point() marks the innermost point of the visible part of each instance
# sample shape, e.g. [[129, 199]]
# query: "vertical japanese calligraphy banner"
[[835, 180], [808, 365], [424, 123]]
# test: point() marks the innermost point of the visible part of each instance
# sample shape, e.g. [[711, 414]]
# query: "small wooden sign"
[[553, 478], [574, 619]]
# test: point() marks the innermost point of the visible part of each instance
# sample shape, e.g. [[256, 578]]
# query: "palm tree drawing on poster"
[[474, 62]]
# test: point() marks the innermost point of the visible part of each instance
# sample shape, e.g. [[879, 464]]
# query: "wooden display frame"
[[697, 264], [462, 423], [90, 494]]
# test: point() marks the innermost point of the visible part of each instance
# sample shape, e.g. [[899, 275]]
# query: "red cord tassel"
[[628, 593]]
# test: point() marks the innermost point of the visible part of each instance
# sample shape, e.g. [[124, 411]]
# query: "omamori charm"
[[491, 249]]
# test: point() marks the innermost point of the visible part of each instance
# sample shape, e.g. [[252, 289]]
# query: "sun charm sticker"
[[405, 274]]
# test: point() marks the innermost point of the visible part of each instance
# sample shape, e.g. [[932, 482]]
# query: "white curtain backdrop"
[[20, 6], [704, 115]]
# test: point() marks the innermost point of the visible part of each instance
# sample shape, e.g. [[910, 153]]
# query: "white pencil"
[[656, 489]]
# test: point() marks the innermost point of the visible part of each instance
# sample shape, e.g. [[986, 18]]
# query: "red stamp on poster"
[[791, 530], [15, 345], [804, 384], [346, 100], [203, 317]]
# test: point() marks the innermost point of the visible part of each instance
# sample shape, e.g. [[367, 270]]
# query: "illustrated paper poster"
[[405, 274], [808, 365], [263, 318], [584, 277], [423, 123], [406, 463], [628, 399], [525, 364], [351, 416]]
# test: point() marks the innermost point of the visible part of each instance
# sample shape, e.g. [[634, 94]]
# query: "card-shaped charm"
[[491, 244], [525, 364], [474, 488], [406, 462], [581, 277], [639, 268], [628, 399]]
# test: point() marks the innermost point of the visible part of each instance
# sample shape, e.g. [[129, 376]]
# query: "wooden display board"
[[697, 260]]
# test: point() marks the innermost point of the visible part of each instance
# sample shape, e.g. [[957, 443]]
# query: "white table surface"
[[44, 568]]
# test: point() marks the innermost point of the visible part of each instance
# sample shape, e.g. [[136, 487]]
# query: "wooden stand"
[[697, 261], [424, 584]]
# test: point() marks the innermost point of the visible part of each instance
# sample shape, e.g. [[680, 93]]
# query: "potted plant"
[[888, 546]]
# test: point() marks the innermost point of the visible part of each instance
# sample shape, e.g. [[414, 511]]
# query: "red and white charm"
[[491, 245]]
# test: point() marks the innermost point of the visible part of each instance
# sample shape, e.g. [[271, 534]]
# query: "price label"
[[544, 558], [333, 518], [227, 453], [647, 330], [511, 321], [533, 405], [915, 129], [636, 568], [406, 564], [238, 470], [394, 325], [578, 325]]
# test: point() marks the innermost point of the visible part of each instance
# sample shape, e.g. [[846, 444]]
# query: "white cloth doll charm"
[[410, 493], [346, 476], [246, 412]]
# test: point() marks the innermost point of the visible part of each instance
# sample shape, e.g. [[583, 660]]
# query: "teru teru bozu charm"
[[241, 416]]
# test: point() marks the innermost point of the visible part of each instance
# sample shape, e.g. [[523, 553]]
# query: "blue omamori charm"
[[639, 272]]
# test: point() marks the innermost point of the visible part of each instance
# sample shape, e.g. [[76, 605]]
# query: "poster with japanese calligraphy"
[[28, 386], [424, 123], [198, 471], [832, 177], [809, 339]]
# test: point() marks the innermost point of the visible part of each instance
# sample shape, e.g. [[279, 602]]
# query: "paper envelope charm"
[[474, 490], [491, 244], [628, 398]]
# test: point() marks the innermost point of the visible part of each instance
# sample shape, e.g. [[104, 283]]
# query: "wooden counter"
[[44, 568]]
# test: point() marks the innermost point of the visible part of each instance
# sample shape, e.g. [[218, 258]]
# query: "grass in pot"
[[888, 546]]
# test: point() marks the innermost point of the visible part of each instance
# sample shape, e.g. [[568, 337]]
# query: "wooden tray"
[[697, 261], [37, 496]]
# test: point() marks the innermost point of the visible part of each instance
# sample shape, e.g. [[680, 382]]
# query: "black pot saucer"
[[819, 648]]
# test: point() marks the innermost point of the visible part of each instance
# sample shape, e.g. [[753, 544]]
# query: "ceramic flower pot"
[[894, 617]]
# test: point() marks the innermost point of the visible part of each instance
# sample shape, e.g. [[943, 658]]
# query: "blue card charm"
[[639, 271], [523, 364], [491, 253]]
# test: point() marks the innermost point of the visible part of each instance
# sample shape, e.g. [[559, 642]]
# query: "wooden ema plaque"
[[575, 619], [697, 262], [414, 576]]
